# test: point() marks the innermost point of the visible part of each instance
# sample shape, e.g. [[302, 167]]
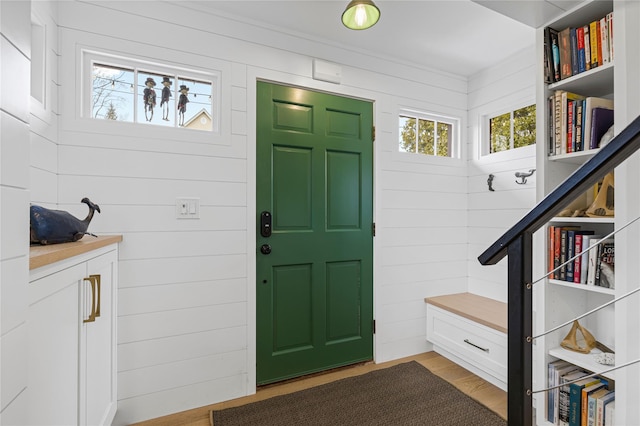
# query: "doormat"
[[405, 394]]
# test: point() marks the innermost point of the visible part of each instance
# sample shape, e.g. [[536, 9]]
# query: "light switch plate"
[[187, 208]]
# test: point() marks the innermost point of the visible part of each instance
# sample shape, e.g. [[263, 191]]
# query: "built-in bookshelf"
[[558, 301]]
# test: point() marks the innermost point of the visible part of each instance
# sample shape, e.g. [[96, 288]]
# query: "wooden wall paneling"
[[175, 399], [13, 294], [157, 325], [14, 155], [149, 191], [161, 377], [146, 353], [159, 271], [183, 295]]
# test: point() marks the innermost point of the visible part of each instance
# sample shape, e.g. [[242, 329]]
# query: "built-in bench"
[[470, 330]]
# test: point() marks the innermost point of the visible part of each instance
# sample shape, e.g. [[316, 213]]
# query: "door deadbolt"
[[265, 249]]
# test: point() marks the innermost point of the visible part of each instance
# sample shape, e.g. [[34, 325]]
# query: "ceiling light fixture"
[[360, 15]]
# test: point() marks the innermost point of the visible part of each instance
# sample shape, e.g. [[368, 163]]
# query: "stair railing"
[[517, 245]]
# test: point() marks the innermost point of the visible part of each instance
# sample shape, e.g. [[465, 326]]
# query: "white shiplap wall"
[[186, 304], [509, 85], [15, 53]]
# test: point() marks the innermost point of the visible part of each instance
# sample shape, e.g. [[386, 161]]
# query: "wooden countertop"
[[45, 255], [483, 310]]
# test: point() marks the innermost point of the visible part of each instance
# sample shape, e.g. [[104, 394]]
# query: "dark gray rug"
[[405, 394]]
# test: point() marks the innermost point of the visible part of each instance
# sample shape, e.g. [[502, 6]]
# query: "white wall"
[[15, 52], [506, 86], [187, 303]]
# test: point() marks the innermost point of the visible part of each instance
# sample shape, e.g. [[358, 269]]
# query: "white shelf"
[[562, 219], [585, 361], [578, 157], [584, 287]]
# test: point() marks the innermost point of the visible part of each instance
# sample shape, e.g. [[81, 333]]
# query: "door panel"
[[314, 272]]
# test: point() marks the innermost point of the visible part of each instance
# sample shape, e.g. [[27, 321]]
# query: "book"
[[592, 405], [551, 380], [573, 44], [587, 48], [575, 399], [581, 54], [605, 274], [600, 404], [586, 392], [593, 259], [564, 395], [555, 53], [593, 42], [604, 40], [571, 139], [584, 261], [564, 250], [564, 42], [556, 252], [610, 29], [590, 103], [601, 120], [561, 118], [578, 127], [609, 413], [579, 237], [559, 402], [551, 243]]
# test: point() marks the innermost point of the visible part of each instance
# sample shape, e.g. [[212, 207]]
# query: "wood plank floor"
[[472, 385]]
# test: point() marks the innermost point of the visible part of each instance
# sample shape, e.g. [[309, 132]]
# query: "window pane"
[[444, 139], [150, 90], [524, 126], [426, 137], [407, 141], [194, 104], [112, 93], [500, 132]]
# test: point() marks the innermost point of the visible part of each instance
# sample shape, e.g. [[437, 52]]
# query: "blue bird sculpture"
[[57, 226]]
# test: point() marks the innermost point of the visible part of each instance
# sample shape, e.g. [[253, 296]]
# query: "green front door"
[[314, 282]]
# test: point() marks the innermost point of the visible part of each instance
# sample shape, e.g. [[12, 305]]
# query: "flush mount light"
[[360, 15]]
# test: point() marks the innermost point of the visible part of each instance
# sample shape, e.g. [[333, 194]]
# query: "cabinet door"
[[98, 399], [53, 348]]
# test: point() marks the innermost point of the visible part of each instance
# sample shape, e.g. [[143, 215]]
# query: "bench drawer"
[[474, 343]]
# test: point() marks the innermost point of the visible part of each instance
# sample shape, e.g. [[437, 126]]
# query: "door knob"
[[265, 249]]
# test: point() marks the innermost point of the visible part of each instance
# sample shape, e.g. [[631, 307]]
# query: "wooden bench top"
[[482, 310]]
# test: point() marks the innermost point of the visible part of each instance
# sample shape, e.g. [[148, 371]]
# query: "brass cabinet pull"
[[92, 316], [97, 280]]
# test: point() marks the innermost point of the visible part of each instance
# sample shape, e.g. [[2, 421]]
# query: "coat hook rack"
[[524, 176], [490, 182]]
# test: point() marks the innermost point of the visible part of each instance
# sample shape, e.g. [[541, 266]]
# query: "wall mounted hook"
[[490, 182], [524, 176]]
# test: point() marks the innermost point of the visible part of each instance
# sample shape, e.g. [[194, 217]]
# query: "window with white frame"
[[150, 94], [512, 129], [428, 134]]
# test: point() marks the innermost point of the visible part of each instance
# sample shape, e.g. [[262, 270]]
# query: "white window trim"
[[485, 128], [455, 122], [89, 57]]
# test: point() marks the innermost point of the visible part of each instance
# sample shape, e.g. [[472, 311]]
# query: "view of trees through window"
[[132, 95], [513, 129], [423, 136]]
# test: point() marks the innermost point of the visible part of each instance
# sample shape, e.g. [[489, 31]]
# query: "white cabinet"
[[471, 331], [72, 340]]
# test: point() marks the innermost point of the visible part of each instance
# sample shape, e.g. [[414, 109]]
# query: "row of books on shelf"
[[574, 50], [593, 267], [579, 400], [577, 123]]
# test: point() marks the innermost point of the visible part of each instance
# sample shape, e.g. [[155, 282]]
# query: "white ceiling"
[[458, 36]]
